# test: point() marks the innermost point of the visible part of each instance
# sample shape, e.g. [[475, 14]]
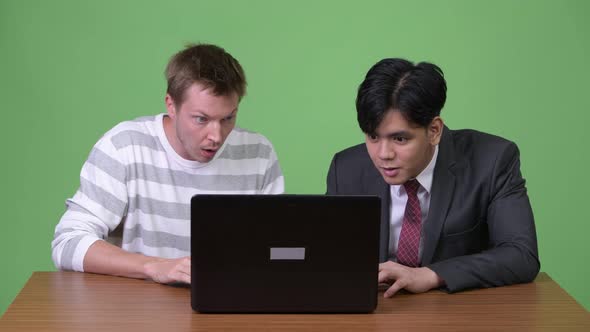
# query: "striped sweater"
[[135, 190]]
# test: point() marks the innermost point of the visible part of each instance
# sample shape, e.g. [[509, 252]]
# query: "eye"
[[400, 139], [372, 137], [228, 119], [200, 119]]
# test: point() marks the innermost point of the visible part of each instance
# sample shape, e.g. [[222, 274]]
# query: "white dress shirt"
[[399, 198]]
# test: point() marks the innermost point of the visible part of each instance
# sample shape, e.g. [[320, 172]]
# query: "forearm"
[[105, 258], [499, 266]]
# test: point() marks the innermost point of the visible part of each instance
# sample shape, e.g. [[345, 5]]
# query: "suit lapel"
[[443, 186]]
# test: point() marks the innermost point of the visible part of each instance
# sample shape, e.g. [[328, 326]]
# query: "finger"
[[393, 289], [393, 272], [384, 276], [182, 277], [186, 278], [183, 268]]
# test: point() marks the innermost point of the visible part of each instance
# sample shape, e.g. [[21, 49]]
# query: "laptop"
[[284, 253]]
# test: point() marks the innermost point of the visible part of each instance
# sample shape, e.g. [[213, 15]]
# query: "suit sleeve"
[[512, 255], [332, 180]]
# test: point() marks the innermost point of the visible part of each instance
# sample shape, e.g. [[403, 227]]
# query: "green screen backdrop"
[[70, 70]]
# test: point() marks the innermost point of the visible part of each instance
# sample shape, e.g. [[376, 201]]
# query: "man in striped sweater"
[[131, 215]]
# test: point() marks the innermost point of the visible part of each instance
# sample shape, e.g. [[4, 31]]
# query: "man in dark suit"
[[455, 211]]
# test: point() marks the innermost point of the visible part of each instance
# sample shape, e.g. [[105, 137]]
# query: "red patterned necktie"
[[409, 238]]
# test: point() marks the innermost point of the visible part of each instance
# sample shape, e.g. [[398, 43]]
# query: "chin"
[[393, 181], [198, 157]]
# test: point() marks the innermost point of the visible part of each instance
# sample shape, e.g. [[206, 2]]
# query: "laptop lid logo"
[[287, 253]]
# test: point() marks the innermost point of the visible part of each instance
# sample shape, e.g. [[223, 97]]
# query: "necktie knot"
[[411, 187]]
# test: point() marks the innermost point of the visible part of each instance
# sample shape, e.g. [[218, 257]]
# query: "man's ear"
[[435, 129], [170, 106]]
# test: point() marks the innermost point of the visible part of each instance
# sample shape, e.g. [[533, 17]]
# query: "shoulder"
[[242, 143], [476, 144], [481, 152], [470, 137], [243, 136], [355, 155], [353, 164], [139, 131]]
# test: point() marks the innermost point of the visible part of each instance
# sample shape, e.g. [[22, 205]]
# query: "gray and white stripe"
[[131, 182]]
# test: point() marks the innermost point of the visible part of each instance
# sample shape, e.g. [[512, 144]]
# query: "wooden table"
[[71, 301]]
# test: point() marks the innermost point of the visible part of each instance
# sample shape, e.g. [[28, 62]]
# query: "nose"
[[214, 134], [385, 151]]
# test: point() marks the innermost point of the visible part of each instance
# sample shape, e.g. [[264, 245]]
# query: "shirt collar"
[[424, 178]]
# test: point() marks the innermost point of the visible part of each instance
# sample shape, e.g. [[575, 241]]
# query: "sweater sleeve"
[[274, 182], [97, 207]]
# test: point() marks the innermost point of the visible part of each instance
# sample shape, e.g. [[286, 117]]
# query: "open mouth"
[[390, 171], [208, 153]]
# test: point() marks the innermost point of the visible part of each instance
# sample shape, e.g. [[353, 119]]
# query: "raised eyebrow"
[[205, 115], [401, 133], [230, 114], [200, 114]]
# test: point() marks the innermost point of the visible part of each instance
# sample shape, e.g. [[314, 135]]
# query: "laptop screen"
[[284, 253]]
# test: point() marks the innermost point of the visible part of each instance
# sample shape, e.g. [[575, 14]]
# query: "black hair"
[[417, 91]]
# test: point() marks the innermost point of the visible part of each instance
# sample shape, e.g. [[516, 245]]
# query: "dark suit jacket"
[[480, 230]]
